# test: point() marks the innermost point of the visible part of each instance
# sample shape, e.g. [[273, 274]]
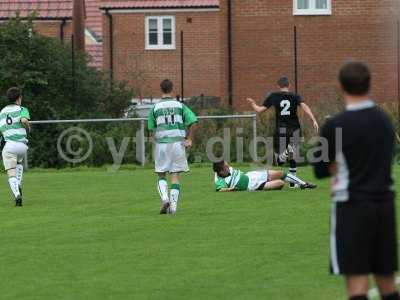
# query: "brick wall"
[[263, 46], [52, 29], [144, 69], [263, 49]]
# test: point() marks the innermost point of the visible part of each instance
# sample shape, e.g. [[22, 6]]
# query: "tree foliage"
[[43, 68]]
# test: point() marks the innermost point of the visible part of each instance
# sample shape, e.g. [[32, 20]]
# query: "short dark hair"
[[13, 94], [218, 166], [283, 82], [355, 78], [166, 86]]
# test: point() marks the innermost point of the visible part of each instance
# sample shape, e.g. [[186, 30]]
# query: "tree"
[[42, 68]]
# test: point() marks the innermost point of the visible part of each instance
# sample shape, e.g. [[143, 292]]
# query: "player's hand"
[[188, 143], [251, 101], [316, 126]]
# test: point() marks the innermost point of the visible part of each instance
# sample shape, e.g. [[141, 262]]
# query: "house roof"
[[96, 53], [93, 17], [154, 4], [46, 9]]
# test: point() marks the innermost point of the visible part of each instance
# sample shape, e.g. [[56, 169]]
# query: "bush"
[[42, 68]]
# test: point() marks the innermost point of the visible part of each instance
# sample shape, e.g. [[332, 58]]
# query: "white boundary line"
[[374, 292]]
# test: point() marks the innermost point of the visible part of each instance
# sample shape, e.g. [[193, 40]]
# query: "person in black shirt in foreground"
[[360, 154], [287, 130]]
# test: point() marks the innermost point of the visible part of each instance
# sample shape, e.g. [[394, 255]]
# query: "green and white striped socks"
[[20, 172], [174, 196], [14, 185], [162, 187]]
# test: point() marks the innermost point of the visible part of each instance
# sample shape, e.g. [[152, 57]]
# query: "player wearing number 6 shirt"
[[172, 124], [14, 124], [288, 130]]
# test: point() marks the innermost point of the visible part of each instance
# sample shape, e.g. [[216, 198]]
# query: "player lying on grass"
[[228, 179]]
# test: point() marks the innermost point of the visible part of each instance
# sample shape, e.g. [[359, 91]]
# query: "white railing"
[[141, 143]]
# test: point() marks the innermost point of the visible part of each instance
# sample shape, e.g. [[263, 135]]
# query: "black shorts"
[[285, 136], [363, 238]]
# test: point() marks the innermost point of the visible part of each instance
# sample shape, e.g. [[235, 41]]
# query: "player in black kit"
[[287, 130], [360, 152]]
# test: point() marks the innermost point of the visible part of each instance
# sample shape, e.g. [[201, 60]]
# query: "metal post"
[[142, 144], [230, 55], [254, 136], [26, 164], [398, 74], [182, 69], [295, 61], [73, 66]]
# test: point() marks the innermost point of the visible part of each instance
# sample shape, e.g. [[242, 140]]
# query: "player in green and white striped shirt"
[[172, 125], [14, 124], [228, 179]]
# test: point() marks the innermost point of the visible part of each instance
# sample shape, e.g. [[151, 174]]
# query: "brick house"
[[328, 33], [233, 49], [146, 41], [54, 19]]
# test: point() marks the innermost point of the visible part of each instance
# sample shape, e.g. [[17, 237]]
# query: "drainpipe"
[[111, 43], [62, 26], [230, 61]]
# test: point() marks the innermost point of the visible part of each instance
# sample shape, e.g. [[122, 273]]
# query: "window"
[[312, 7], [160, 33]]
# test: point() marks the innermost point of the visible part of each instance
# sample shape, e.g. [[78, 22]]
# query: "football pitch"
[[94, 234]]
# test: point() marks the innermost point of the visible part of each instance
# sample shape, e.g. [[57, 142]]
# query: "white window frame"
[[312, 11], [160, 29]]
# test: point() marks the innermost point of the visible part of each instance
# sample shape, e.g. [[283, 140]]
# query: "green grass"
[[97, 235]]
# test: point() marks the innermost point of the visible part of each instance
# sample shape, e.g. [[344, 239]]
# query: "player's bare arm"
[[257, 108], [26, 124], [190, 134], [227, 190], [309, 113]]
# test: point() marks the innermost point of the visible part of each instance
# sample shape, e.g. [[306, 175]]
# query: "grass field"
[[97, 235]]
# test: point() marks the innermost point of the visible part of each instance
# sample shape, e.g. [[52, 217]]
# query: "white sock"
[[162, 187], [174, 194], [283, 156], [13, 181], [20, 173], [290, 178], [293, 171]]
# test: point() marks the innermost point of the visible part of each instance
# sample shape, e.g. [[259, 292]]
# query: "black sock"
[[293, 169], [293, 165], [361, 297], [394, 296]]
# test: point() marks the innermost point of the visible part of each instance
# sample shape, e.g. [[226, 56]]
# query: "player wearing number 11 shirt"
[[287, 130], [171, 123]]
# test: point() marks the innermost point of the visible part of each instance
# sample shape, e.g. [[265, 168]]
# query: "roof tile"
[[137, 4], [93, 16], [96, 54], [43, 8]]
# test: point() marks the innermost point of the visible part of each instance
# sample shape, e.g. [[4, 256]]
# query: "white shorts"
[[13, 154], [170, 158], [256, 179]]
